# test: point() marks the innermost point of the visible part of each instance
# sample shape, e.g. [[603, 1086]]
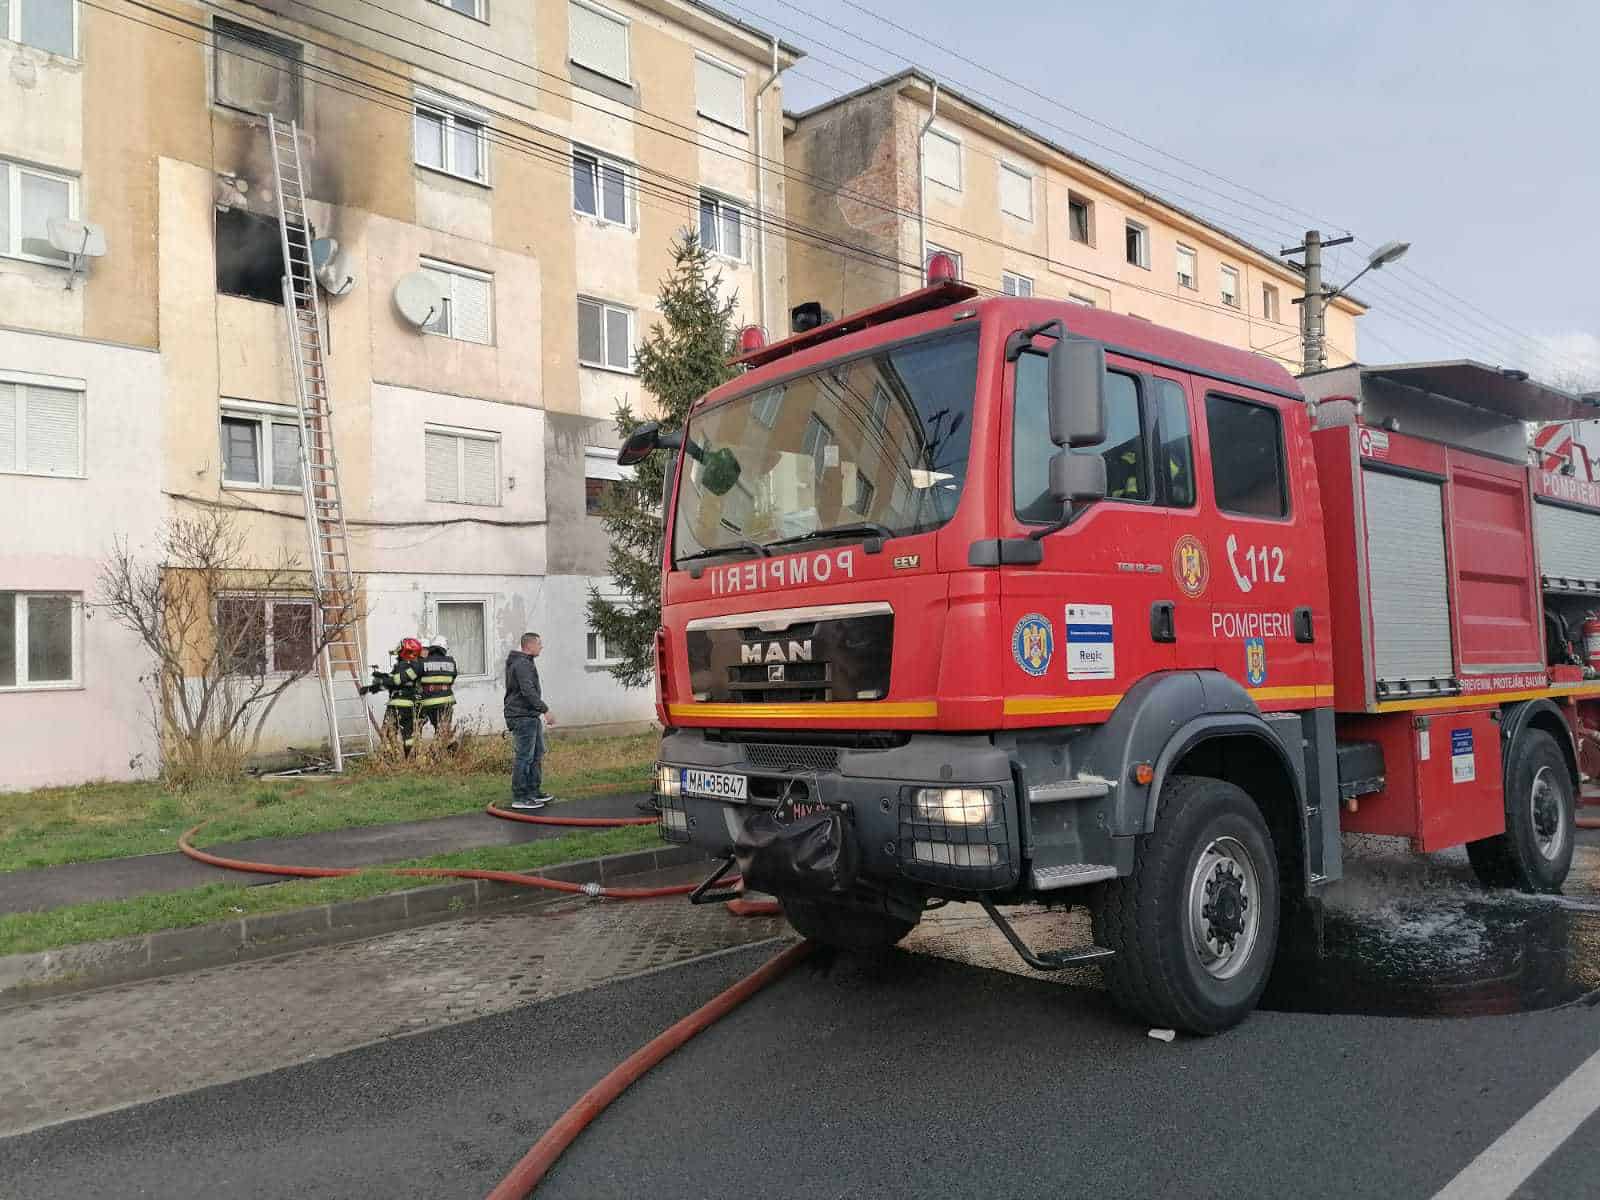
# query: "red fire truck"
[[1014, 601]]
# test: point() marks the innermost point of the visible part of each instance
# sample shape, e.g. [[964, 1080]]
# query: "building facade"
[[1020, 215], [535, 162]]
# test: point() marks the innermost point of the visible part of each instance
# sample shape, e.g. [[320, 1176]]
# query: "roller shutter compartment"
[[1406, 573], [1569, 546]]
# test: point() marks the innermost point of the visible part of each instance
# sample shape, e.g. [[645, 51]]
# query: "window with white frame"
[[766, 406], [597, 654], [450, 138], [941, 155], [1136, 238], [1013, 284], [1080, 218], [601, 187], [461, 466], [719, 92], [1016, 191], [1230, 286], [39, 638], [722, 226], [29, 198], [601, 473], [260, 446], [882, 402], [1188, 267], [41, 425], [256, 72], [605, 335], [465, 623], [1269, 302], [468, 314], [467, 8], [1086, 301], [43, 24], [266, 635], [599, 40]]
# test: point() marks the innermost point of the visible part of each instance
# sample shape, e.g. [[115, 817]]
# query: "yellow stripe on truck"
[[819, 711]]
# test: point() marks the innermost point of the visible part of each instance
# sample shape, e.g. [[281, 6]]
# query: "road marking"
[[1521, 1150]]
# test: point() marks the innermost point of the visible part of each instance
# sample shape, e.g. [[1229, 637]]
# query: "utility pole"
[[1313, 329]]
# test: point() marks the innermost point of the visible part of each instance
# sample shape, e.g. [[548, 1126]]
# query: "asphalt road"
[[914, 1077]]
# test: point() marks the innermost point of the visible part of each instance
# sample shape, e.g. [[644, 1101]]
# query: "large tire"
[[1535, 852], [1195, 927], [843, 926]]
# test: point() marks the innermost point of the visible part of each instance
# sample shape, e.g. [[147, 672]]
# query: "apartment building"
[[1021, 216], [533, 161]]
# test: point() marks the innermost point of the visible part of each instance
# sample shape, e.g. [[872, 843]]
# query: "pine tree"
[[682, 359]]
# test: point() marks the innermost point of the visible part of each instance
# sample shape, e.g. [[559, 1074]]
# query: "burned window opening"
[[250, 256]]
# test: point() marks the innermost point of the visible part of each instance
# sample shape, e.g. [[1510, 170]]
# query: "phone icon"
[[1239, 576]]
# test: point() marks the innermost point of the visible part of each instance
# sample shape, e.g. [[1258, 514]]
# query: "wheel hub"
[[1549, 826], [1224, 909]]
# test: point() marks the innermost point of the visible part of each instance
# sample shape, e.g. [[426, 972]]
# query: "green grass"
[[22, 933], [115, 820]]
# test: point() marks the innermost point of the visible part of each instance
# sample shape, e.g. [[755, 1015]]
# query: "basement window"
[[249, 256]]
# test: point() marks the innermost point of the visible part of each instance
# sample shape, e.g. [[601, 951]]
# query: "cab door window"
[[1247, 460], [1124, 447], [1174, 445]]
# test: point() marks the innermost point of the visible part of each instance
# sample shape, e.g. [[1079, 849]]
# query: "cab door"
[[1093, 614]]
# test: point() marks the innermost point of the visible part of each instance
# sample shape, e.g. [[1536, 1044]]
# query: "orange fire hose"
[[533, 1167], [512, 877], [580, 822]]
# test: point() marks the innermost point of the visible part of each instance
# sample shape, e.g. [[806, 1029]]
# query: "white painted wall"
[[57, 532]]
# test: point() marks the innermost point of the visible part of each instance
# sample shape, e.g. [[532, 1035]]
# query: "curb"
[[26, 977]]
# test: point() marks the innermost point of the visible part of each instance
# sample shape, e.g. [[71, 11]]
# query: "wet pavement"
[[951, 1069]]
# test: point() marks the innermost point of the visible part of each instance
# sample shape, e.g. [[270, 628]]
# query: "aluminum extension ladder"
[[341, 663]]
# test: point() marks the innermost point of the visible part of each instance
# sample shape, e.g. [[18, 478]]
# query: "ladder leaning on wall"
[[340, 663]]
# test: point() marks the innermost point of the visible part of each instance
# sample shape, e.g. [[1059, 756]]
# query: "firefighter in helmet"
[[436, 702], [403, 682]]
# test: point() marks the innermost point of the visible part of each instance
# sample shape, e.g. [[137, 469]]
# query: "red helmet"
[[410, 648]]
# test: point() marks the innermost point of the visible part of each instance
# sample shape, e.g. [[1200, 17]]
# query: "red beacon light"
[[942, 268], [751, 339]]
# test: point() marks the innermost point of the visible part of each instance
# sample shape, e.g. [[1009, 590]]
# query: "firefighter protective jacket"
[[402, 683], [438, 679]]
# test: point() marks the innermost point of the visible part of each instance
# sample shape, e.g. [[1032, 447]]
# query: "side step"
[[1050, 960], [1065, 875]]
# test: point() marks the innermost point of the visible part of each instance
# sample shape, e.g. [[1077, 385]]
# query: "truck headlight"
[[669, 782], [955, 806]]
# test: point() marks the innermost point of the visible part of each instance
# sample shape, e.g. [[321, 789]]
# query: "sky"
[[1467, 128]]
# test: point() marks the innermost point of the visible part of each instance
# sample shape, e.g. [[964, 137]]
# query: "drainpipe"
[[922, 187], [761, 203]]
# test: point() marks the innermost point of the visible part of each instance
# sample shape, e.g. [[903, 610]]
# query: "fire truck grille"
[[792, 758]]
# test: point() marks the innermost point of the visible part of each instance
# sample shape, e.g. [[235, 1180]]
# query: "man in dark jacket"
[[526, 715]]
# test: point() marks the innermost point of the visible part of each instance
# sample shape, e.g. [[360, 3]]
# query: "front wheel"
[[1535, 851], [1195, 927], [843, 926]]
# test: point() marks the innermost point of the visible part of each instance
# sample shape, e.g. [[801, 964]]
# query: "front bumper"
[[898, 843]]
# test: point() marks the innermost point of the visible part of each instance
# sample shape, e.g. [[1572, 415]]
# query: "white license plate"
[[717, 784]]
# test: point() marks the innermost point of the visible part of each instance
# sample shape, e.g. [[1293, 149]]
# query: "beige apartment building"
[[1022, 216], [535, 161]]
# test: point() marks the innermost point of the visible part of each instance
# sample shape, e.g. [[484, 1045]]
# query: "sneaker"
[[543, 798], [532, 805]]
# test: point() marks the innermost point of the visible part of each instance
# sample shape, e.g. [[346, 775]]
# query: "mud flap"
[[811, 855]]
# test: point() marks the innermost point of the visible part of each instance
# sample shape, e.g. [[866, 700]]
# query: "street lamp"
[[1317, 298]]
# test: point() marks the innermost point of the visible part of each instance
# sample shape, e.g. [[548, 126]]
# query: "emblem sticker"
[[1033, 643], [1189, 565], [1255, 661], [1091, 650], [1463, 762]]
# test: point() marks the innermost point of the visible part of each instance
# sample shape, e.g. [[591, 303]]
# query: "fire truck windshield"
[[878, 440]]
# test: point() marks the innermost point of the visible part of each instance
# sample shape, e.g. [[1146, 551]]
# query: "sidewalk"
[[121, 878]]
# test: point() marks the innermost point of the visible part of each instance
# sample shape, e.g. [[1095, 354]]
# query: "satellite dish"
[[332, 266], [76, 237], [418, 299]]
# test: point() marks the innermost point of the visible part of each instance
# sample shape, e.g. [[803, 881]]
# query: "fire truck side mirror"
[[1077, 392], [644, 441], [1077, 478]]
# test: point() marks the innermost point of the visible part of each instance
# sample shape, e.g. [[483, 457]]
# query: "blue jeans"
[[527, 743]]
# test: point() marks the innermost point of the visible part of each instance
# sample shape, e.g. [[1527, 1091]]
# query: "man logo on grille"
[[775, 673]]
